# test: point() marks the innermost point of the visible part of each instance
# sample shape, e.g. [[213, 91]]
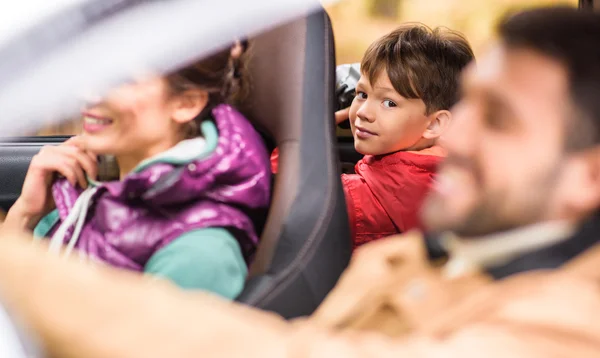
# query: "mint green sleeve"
[[42, 229], [205, 259]]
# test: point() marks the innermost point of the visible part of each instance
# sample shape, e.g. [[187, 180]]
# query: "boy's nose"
[[364, 112]]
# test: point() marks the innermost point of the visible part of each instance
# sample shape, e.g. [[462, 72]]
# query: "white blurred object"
[[17, 16], [85, 47], [11, 346]]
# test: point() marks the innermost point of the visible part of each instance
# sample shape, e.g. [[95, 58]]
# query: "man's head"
[[525, 143], [409, 82]]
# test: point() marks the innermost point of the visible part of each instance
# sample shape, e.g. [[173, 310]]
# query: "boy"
[[409, 82]]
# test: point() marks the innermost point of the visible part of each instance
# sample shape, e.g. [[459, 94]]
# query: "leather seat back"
[[306, 241]]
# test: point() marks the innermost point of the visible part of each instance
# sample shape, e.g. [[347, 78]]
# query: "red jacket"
[[386, 193]]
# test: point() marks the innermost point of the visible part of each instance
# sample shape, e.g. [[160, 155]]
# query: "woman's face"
[[135, 120]]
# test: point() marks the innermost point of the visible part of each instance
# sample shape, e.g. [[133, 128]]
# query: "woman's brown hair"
[[222, 75]]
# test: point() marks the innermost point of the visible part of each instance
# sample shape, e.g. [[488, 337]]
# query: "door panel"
[[15, 156]]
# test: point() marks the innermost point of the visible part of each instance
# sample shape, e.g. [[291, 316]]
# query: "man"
[[520, 191]]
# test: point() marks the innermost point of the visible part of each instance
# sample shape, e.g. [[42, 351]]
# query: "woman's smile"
[[93, 123]]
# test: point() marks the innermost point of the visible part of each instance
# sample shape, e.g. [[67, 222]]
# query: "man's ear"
[[583, 181], [438, 122], [187, 105]]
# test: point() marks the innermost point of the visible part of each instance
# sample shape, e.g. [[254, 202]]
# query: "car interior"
[[305, 243]]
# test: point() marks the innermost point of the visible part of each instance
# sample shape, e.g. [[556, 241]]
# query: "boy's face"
[[383, 121]]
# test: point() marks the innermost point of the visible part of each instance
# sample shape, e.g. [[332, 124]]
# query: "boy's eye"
[[361, 95], [389, 104]]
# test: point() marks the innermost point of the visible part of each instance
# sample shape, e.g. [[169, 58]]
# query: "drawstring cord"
[[76, 217]]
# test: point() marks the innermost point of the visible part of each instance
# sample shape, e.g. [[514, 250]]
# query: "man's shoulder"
[[553, 299]]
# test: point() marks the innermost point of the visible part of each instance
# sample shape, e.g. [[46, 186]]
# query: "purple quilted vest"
[[129, 220]]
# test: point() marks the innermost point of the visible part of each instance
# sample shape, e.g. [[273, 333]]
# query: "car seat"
[[305, 245]]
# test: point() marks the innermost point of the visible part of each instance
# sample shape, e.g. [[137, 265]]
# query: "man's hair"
[[421, 63], [571, 37]]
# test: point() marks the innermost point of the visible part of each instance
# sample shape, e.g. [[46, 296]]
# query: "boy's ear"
[[187, 105], [438, 122]]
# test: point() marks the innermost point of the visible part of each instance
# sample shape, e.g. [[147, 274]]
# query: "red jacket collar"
[[427, 159]]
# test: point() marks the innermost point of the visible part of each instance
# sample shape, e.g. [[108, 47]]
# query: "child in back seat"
[[193, 172], [409, 81]]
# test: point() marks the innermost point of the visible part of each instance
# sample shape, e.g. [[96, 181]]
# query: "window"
[[67, 127], [357, 23], [384, 8]]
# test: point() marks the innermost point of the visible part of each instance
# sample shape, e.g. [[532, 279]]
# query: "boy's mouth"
[[94, 123], [364, 133]]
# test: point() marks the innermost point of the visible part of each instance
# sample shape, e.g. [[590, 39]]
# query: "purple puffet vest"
[[129, 220]]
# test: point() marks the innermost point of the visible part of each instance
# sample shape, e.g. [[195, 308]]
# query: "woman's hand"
[[69, 160], [342, 115]]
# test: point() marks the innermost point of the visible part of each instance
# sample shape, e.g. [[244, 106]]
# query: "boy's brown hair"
[[422, 63]]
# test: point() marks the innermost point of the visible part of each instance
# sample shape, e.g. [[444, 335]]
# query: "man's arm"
[[80, 310], [97, 312]]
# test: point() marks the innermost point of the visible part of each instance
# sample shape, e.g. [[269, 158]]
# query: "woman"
[[193, 171]]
